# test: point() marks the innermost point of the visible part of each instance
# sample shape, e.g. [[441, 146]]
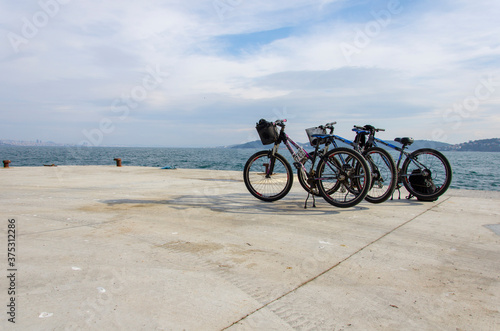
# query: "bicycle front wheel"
[[383, 174], [343, 177], [426, 174], [267, 177]]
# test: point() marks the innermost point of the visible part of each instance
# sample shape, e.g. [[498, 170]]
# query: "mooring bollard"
[[118, 162], [6, 163]]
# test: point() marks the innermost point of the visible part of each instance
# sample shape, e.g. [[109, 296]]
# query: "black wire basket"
[[268, 132]]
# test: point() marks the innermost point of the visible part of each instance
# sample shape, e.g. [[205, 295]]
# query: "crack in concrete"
[[91, 225], [335, 265]]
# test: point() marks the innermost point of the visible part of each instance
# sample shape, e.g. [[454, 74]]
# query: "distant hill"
[[483, 145], [416, 145], [440, 146], [256, 144], [251, 144]]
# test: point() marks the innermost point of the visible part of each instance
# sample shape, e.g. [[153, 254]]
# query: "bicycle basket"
[[267, 132], [314, 140]]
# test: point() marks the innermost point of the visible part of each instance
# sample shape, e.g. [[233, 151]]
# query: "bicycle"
[[426, 173], [342, 176], [383, 168]]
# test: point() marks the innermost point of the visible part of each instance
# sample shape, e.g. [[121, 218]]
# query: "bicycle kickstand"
[[314, 200], [399, 191]]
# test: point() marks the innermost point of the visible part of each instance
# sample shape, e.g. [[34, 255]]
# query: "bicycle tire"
[[437, 173], [384, 175], [343, 177], [268, 187]]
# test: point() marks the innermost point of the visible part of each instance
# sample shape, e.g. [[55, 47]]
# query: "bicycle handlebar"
[[280, 122], [367, 128], [328, 126]]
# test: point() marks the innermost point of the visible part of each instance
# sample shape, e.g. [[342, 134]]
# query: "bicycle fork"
[[269, 167]]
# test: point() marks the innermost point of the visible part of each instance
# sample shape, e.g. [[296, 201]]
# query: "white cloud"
[[411, 69]]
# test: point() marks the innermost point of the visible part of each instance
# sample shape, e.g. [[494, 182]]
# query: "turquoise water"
[[475, 170], [471, 170], [191, 158]]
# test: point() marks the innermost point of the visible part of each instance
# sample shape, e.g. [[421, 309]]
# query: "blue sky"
[[203, 72]]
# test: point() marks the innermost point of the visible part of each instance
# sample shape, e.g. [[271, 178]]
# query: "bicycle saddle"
[[405, 141]]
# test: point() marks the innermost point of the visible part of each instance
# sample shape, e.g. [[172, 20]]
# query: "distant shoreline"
[[224, 147]]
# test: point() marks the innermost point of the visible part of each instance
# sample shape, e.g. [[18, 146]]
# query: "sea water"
[[471, 170]]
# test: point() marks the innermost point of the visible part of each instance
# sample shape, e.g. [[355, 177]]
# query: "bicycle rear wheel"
[[268, 178], [383, 174], [343, 177], [426, 174]]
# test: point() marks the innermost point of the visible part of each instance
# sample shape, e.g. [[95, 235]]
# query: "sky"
[[201, 73]]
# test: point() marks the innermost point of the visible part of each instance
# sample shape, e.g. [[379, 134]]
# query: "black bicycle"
[[342, 176], [425, 173]]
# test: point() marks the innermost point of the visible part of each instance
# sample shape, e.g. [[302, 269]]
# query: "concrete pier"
[[136, 248]]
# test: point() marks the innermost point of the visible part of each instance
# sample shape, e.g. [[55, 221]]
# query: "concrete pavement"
[[104, 247]]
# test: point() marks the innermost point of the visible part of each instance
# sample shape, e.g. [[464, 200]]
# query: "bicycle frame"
[[345, 141], [298, 154], [353, 144], [373, 140]]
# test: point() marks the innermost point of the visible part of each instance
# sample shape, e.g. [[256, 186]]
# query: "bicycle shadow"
[[402, 197], [242, 203]]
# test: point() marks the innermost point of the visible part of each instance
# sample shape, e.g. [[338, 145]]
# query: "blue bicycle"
[[425, 173]]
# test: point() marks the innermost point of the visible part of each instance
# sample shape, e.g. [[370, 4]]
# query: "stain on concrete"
[[493, 227]]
